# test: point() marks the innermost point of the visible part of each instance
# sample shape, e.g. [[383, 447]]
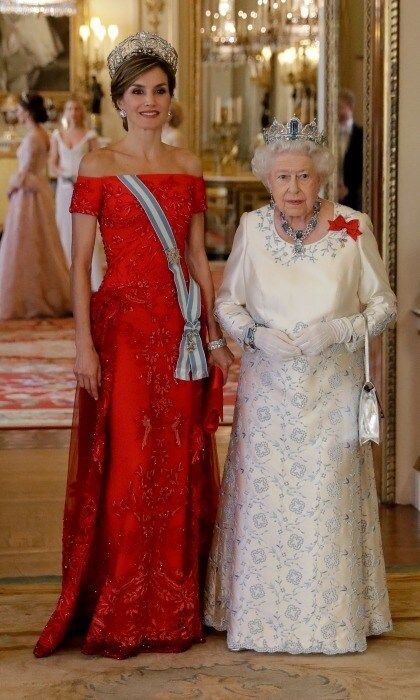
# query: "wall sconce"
[[97, 41]]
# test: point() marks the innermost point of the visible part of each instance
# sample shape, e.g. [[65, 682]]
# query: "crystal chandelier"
[[53, 8], [233, 35]]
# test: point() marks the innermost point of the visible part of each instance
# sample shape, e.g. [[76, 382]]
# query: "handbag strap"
[[191, 359], [367, 359]]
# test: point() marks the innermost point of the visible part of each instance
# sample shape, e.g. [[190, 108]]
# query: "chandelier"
[[53, 8], [232, 35]]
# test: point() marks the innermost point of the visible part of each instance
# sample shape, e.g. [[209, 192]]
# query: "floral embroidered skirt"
[[296, 563], [141, 493]]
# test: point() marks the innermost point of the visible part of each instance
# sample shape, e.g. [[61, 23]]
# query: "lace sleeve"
[[230, 308], [199, 196], [87, 196], [375, 294]]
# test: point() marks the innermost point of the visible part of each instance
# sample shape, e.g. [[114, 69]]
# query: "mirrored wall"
[[259, 60]]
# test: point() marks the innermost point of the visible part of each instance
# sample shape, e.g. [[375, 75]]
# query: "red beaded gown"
[[142, 484]]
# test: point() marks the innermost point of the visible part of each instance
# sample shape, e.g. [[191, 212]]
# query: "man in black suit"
[[350, 153]]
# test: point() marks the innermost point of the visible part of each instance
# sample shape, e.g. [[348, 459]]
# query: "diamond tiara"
[[142, 43], [294, 130]]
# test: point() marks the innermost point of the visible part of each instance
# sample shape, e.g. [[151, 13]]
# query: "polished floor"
[[32, 483]]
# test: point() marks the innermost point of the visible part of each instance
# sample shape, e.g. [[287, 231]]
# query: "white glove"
[[275, 343], [317, 338]]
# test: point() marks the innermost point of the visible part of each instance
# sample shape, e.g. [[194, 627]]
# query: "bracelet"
[[216, 344]]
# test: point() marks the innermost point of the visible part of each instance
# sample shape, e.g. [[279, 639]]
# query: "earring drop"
[[272, 202], [123, 113]]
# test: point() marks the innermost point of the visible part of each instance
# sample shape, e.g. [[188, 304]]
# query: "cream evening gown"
[[34, 279], [296, 563], [69, 159]]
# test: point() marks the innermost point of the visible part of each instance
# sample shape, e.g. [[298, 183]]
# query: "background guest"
[[34, 279], [351, 153], [68, 146], [171, 134]]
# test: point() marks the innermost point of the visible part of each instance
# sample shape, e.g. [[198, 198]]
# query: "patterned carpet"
[[36, 378], [388, 669]]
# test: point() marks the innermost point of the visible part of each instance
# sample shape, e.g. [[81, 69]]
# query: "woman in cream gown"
[[296, 563], [67, 150], [34, 279]]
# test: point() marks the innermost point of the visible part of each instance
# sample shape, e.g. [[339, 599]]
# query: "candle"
[[218, 110], [230, 111], [238, 110]]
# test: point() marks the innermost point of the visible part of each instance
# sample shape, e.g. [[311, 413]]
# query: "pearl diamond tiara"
[[142, 43], [293, 130]]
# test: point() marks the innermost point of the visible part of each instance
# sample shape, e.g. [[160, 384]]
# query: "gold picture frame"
[[60, 96]]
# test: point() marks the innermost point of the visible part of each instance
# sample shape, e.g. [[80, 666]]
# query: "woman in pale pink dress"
[[34, 279]]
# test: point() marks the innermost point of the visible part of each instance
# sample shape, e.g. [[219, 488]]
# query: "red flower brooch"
[[351, 226]]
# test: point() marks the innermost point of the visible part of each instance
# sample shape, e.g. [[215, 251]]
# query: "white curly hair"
[[266, 155]]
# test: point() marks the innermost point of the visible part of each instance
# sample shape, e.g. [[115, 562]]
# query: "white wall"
[[408, 250]]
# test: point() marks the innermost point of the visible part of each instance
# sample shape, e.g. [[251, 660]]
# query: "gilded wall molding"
[[331, 36], [389, 238]]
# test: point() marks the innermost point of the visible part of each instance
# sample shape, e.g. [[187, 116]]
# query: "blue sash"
[[191, 358]]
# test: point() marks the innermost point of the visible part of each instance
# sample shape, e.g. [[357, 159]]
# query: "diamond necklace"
[[299, 235]]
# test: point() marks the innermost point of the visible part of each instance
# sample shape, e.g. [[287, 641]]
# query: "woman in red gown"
[[142, 482]]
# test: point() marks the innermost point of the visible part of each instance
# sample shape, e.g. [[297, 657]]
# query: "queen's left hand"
[[317, 338], [223, 358]]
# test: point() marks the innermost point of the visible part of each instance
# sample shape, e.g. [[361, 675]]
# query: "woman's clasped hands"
[[275, 343], [311, 340], [319, 336]]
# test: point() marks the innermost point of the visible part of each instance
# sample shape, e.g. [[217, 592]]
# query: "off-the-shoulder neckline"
[[107, 177]]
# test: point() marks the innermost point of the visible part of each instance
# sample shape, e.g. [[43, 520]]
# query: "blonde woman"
[[68, 146]]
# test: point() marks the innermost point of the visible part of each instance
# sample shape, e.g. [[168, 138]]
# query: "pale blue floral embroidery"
[[260, 520], [285, 253], [297, 506], [294, 576], [257, 591], [299, 400], [329, 630], [255, 626], [261, 485], [264, 413], [298, 470], [258, 556], [262, 449], [295, 541], [300, 364], [330, 596], [292, 612], [298, 435], [335, 416]]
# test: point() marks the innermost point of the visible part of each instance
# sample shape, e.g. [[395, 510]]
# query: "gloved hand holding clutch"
[[318, 337], [274, 343]]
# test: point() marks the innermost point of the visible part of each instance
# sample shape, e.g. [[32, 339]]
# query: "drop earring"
[[272, 202], [123, 113]]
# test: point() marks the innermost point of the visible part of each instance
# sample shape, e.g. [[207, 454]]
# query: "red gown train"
[[142, 483]]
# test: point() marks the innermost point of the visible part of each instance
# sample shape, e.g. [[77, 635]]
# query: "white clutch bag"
[[368, 404]]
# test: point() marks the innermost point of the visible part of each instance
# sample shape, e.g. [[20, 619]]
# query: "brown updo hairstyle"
[[127, 73], [33, 102]]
